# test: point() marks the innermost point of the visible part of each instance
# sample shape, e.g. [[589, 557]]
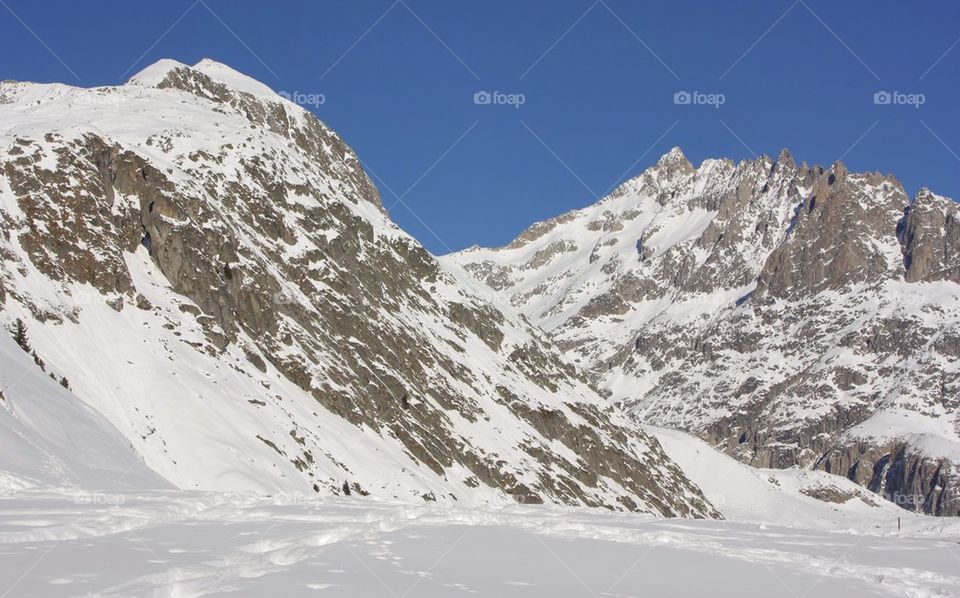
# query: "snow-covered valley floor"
[[188, 544]]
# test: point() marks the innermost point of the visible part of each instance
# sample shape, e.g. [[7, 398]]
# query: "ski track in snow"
[[191, 544]]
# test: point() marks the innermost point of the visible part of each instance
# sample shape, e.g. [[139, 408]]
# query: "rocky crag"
[[788, 314]]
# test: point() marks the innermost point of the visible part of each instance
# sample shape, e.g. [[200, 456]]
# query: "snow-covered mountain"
[[787, 314], [213, 273]]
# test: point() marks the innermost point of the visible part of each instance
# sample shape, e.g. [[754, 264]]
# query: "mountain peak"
[[152, 75], [234, 79], [158, 72], [674, 156], [786, 158], [839, 170], [673, 162]]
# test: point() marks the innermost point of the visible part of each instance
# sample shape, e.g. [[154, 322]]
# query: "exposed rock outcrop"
[[899, 473]]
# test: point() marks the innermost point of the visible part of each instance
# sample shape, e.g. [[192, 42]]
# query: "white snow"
[[235, 80], [189, 544], [69, 526], [155, 73], [777, 496], [935, 437], [50, 438]]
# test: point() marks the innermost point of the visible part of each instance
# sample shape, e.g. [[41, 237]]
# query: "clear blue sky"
[[599, 78]]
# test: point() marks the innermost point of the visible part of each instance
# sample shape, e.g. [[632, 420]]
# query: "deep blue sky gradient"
[[599, 104]]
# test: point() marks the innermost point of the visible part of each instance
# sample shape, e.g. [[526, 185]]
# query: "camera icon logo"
[[482, 98], [882, 97], [682, 97]]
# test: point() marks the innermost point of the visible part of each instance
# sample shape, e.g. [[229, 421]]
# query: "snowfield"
[[192, 544]]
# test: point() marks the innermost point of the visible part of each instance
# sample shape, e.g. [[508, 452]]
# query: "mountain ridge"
[[721, 300]]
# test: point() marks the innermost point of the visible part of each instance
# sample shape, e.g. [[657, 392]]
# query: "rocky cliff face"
[[931, 239], [213, 271], [788, 314]]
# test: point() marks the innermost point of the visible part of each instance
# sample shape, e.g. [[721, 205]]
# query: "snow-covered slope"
[[49, 438], [787, 314], [194, 544], [214, 273], [794, 497]]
